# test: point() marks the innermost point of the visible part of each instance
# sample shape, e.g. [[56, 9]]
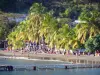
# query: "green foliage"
[[3, 27], [73, 12], [89, 26], [89, 45], [6, 25], [96, 42], [84, 31], [92, 17], [93, 44], [55, 25], [56, 5], [37, 8]]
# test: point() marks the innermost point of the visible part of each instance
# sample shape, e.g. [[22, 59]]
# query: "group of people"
[[43, 48], [97, 53], [37, 47]]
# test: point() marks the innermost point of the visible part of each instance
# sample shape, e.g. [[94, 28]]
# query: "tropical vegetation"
[[55, 24], [93, 44]]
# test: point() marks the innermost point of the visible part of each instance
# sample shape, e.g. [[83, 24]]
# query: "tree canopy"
[[93, 44], [54, 21]]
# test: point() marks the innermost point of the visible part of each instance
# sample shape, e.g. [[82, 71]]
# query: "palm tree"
[[48, 29], [90, 27], [66, 38]]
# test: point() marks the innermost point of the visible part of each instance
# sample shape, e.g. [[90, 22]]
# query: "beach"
[[69, 58]]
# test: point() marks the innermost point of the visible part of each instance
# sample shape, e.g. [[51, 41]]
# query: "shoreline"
[[82, 59], [26, 58], [66, 65]]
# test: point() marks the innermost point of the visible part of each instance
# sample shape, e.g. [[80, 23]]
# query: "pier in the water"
[[46, 67], [6, 68]]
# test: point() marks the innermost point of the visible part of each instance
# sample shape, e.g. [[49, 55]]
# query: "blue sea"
[[16, 62]]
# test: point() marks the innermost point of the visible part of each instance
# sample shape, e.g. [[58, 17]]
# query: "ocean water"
[[56, 72], [45, 72]]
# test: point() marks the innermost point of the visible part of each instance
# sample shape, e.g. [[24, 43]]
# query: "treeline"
[[57, 31], [21, 6], [16, 6], [54, 22], [8, 22]]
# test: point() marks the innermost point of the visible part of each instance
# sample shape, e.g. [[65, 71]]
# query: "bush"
[[93, 44]]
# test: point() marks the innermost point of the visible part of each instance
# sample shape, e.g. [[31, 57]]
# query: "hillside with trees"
[[22, 6], [52, 21]]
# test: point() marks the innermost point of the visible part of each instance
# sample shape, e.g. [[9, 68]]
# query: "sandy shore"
[[68, 58]]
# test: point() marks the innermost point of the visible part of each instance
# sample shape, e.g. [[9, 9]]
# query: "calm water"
[[46, 72]]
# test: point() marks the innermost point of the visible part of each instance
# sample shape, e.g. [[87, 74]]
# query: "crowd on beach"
[[33, 47]]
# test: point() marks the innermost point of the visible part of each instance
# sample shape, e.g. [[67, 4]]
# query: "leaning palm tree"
[[66, 38], [35, 21], [48, 29], [90, 27], [85, 31]]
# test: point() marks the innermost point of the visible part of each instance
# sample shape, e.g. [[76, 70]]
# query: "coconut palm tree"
[[91, 26], [66, 38]]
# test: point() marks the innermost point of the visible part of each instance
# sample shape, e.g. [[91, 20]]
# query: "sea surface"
[[17, 62]]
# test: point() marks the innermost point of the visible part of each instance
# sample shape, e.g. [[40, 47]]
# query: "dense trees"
[[7, 4], [90, 27], [3, 27], [56, 5], [15, 5], [54, 24], [42, 24], [34, 27], [93, 44]]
